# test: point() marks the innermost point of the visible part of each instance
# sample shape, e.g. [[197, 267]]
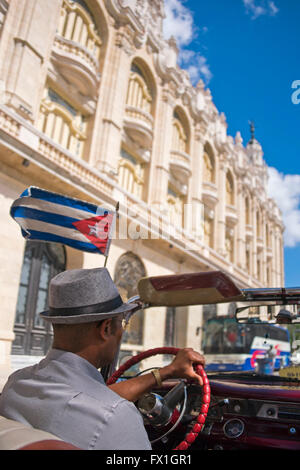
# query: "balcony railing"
[[231, 215], [209, 193], [77, 47], [77, 51], [139, 125], [180, 165]]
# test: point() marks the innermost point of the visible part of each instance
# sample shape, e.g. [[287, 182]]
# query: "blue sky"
[[248, 54]]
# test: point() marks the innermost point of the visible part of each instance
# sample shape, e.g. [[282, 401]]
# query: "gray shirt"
[[66, 395]]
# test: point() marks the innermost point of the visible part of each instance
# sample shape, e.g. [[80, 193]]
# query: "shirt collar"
[[74, 361]]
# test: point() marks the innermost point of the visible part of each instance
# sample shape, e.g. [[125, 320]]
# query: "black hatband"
[[102, 307]]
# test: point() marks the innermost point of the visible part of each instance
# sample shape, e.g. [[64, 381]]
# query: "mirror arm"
[[133, 299]]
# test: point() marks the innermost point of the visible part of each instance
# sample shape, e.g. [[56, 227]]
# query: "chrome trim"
[[286, 295]]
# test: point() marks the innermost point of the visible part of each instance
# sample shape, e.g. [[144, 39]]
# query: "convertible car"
[[251, 393], [252, 405]]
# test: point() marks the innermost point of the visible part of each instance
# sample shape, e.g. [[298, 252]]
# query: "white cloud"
[[179, 23], [196, 65], [273, 8], [285, 190], [260, 7]]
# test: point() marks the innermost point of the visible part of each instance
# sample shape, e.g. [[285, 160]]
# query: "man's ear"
[[104, 328]]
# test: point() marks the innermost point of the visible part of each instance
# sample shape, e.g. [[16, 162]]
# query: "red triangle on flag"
[[96, 230]]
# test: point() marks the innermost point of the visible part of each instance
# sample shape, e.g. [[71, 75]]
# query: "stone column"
[[27, 40], [159, 175], [106, 145], [196, 185]]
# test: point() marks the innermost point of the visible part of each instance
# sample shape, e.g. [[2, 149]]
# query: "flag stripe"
[[62, 200], [35, 214], [51, 237], [47, 206], [72, 234], [38, 226]]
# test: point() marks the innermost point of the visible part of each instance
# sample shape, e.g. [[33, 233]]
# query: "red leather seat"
[[49, 445], [19, 436]]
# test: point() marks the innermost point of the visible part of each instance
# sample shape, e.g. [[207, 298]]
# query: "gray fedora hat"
[[84, 295]]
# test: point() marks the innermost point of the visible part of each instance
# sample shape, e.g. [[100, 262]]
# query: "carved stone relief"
[[129, 270]]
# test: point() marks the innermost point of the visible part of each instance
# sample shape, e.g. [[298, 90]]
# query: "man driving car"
[[65, 393]]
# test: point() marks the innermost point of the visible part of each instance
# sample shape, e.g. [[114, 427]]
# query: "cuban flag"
[[51, 217]]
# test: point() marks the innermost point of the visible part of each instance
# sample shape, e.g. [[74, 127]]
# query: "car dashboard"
[[241, 423], [245, 413]]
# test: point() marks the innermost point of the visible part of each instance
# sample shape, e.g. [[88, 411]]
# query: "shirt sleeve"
[[124, 431]]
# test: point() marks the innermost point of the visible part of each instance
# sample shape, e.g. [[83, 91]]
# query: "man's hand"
[[182, 366]]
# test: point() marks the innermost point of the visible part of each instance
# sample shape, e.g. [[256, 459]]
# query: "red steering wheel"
[[199, 420]]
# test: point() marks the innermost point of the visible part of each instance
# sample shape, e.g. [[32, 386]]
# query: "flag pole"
[[117, 216]]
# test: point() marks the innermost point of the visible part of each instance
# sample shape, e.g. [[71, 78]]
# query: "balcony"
[[139, 126], [180, 165], [209, 193], [231, 215], [76, 64]]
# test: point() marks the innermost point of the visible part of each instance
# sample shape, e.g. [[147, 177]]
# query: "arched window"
[[131, 174], [179, 140], [129, 270], [258, 224], [42, 261], [63, 123], [77, 24], [247, 211], [229, 189], [138, 126], [139, 93], [70, 95], [208, 165], [176, 207]]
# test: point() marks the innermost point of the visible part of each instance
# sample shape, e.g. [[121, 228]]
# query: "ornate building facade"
[[93, 105]]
